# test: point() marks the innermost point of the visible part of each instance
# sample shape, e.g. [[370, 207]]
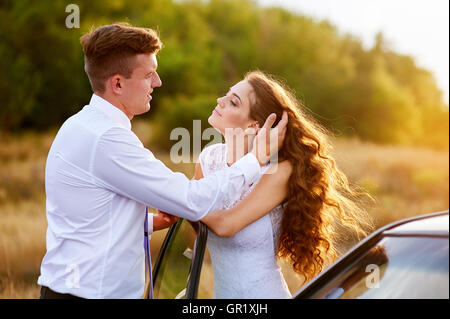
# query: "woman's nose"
[[219, 101]]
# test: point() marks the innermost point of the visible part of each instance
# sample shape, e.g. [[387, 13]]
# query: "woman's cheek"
[[236, 120]]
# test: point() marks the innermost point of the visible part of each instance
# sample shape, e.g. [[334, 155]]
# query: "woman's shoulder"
[[281, 170], [213, 150], [278, 173], [216, 146], [212, 156]]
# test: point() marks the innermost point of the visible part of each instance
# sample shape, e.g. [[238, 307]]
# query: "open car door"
[[176, 274]]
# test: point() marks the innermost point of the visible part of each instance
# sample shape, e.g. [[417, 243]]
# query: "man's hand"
[[269, 141], [163, 220]]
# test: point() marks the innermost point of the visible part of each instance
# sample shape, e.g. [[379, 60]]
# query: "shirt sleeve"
[[150, 224], [121, 164]]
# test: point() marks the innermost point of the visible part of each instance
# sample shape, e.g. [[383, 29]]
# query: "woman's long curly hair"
[[321, 205]]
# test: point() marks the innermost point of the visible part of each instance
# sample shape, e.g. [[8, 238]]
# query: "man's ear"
[[115, 83]]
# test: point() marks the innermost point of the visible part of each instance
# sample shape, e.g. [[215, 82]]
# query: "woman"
[[291, 212]]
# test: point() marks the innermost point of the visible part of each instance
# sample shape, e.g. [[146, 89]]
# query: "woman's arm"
[[267, 194]]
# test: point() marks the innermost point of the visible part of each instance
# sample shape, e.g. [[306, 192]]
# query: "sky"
[[419, 28]]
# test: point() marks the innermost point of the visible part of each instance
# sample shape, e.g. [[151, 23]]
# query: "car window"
[[174, 268], [396, 267]]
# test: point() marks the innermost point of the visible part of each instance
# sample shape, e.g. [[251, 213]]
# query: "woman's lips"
[[217, 112]]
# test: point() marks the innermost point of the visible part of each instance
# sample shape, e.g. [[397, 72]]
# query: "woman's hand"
[[269, 140], [163, 220]]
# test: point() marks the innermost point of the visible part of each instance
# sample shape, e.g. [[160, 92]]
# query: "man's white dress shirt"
[[98, 180]]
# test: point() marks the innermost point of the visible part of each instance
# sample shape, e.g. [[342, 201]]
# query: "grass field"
[[405, 181]]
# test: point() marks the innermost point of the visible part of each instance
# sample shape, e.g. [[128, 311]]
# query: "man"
[[99, 177]]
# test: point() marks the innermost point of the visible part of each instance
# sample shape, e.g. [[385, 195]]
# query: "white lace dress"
[[245, 265]]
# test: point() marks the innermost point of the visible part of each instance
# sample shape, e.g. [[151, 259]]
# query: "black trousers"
[[47, 293]]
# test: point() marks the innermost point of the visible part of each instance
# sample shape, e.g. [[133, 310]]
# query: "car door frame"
[[196, 261]]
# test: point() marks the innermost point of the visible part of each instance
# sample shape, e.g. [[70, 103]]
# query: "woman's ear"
[[254, 125]]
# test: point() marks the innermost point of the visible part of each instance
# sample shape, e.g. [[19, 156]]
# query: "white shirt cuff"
[[250, 167], [150, 223]]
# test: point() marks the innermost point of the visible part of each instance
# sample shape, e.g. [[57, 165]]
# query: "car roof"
[[431, 225], [436, 224]]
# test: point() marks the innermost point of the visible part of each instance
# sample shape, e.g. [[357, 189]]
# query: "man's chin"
[[145, 109]]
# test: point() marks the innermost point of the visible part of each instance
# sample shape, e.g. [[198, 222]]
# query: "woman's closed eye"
[[231, 98], [232, 101]]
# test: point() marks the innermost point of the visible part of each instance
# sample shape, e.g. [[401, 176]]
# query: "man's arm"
[[162, 220], [270, 192], [122, 165]]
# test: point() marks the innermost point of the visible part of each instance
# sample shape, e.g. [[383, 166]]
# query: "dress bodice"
[[245, 265]]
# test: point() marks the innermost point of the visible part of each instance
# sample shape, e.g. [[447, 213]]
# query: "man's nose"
[[156, 81]]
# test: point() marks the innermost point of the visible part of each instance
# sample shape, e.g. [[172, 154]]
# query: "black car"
[[405, 259]]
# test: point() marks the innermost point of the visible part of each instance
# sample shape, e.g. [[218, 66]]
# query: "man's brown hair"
[[112, 49]]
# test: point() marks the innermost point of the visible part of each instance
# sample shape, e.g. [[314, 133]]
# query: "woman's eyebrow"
[[234, 95], [237, 97]]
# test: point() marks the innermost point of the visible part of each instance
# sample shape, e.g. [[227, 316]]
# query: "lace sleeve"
[[212, 158]]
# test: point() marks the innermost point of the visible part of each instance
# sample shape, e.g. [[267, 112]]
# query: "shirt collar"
[[113, 112]]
